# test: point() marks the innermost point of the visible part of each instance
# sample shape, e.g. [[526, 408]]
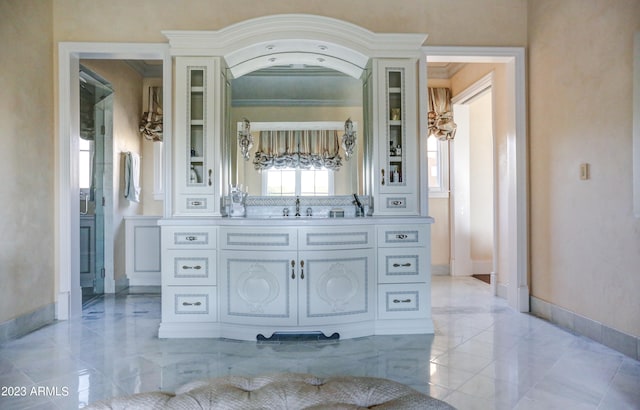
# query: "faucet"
[[359, 206], [297, 206]]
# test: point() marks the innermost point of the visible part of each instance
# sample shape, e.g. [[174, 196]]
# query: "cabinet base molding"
[[196, 330], [192, 330], [404, 327]]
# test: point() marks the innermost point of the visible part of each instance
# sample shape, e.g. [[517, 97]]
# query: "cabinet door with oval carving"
[[257, 288], [337, 286]]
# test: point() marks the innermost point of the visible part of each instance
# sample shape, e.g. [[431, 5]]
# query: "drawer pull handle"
[[402, 301], [402, 236], [196, 203], [396, 202], [382, 170], [191, 238], [186, 267], [191, 303], [397, 265], [210, 177], [293, 272], [301, 269]]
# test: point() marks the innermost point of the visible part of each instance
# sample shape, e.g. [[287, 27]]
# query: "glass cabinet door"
[[196, 143], [194, 148], [396, 188], [395, 129]]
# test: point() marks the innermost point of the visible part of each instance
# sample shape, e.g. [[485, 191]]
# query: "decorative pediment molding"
[[295, 39]]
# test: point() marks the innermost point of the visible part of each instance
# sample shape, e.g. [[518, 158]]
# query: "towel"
[[132, 177]]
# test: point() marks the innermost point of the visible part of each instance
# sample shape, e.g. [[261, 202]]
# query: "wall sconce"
[[348, 139], [245, 139]]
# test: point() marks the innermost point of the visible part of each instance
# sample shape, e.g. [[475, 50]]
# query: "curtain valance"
[[305, 149], [441, 123]]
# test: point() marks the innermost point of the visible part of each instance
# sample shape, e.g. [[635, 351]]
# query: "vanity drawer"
[[194, 267], [404, 265], [402, 301], [189, 237], [270, 239], [189, 304], [344, 237], [403, 235]]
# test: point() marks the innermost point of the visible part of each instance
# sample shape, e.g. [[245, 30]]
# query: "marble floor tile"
[[483, 355]]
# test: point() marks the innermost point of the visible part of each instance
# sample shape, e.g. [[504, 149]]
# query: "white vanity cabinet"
[[396, 129], [189, 281], [403, 275], [197, 127], [242, 277], [296, 278]]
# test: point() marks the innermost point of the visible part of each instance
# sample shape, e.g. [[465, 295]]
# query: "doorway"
[[95, 171], [512, 241], [69, 296]]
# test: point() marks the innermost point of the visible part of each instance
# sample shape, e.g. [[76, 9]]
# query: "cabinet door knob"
[[293, 272], [301, 269]]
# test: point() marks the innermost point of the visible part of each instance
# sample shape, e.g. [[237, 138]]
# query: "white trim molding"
[[636, 125], [69, 293], [295, 38]]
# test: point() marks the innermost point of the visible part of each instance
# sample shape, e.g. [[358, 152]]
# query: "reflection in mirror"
[[307, 102], [296, 158]]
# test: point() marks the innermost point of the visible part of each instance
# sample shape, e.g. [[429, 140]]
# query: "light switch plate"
[[584, 171]]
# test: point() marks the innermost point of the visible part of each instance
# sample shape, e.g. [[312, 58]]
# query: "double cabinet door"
[[296, 287]]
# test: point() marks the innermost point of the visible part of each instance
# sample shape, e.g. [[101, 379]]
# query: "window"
[[290, 181], [438, 167], [85, 163]]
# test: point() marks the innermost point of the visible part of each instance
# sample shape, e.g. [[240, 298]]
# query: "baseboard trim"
[[121, 284], [440, 270], [27, 323], [624, 343]]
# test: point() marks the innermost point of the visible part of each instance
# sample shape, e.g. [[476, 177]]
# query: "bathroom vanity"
[[274, 268]]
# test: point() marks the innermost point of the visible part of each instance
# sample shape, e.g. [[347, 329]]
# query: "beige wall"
[[481, 183], [585, 242], [27, 150], [504, 22]]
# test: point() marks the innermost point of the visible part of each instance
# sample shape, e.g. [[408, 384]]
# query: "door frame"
[[69, 292], [517, 253]]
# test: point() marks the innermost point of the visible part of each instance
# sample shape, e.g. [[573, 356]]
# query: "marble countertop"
[[295, 221]]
